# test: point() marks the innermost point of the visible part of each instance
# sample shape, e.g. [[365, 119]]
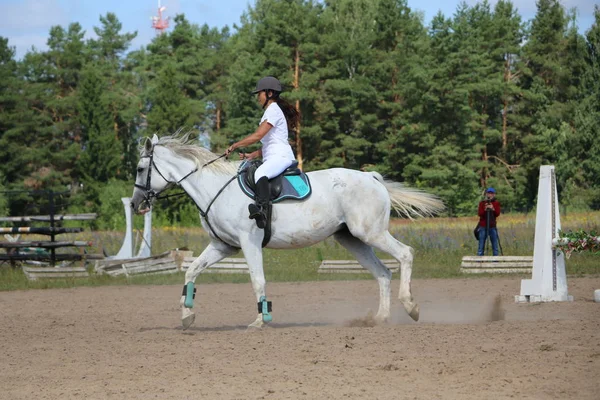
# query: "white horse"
[[352, 206]]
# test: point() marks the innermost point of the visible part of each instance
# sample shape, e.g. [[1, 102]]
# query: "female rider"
[[278, 119]]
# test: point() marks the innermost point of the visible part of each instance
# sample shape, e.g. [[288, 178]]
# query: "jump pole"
[[549, 278], [126, 251]]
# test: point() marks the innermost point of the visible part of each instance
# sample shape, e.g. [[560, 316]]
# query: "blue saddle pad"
[[283, 187]]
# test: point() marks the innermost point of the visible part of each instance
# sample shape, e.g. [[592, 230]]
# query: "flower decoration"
[[578, 241]]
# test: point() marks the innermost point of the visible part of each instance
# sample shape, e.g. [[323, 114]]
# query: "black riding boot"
[[258, 210]]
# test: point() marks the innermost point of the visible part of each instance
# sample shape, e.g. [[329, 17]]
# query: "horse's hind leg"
[[404, 254], [213, 253], [367, 258]]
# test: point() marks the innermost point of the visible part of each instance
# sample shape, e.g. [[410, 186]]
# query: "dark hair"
[[292, 116]]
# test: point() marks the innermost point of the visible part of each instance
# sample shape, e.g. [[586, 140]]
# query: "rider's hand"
[[248, 156], [229, 150]]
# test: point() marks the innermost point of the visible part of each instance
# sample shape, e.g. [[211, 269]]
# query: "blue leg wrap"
[[190, 293], [264, 307]]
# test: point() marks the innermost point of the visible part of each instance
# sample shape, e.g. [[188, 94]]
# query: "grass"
[[439, 244]]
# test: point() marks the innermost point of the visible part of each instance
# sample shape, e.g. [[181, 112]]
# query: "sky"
[[26, 23]]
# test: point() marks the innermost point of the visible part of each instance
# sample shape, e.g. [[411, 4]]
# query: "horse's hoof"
[[188, 320], [414, 312], [258, 324]]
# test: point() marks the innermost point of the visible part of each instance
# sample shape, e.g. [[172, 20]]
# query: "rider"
[[278, 119]]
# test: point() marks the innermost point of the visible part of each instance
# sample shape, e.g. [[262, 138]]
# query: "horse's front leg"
[[252, 248], [213, 253]]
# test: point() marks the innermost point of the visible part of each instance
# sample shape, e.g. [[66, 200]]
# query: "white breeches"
[[272, 167]]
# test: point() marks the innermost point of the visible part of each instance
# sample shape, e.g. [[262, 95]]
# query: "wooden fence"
[[43, 250], [352, 266], [167, 263], [496, 264], [35, 273], [225, 266]]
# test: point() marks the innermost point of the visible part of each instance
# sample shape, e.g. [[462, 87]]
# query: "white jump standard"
[[549, 277], [127, 248]]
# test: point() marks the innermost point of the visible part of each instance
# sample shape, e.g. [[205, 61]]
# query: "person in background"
[[489, 211]]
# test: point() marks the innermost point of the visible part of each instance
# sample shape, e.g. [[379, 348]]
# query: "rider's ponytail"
[[292, 115]]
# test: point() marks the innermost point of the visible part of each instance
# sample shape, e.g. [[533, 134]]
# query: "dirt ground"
[[127, 343]]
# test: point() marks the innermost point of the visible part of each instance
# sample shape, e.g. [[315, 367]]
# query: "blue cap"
[[490, 190]]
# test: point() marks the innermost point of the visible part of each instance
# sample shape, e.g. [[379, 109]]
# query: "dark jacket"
[[493, 216]]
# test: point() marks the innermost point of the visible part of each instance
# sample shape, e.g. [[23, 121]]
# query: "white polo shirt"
[[275, 142]]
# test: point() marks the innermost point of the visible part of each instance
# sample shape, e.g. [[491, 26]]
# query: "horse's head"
[[168, 162], [149, 181]]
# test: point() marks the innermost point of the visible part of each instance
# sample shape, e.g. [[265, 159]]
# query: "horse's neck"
[[204, 185]]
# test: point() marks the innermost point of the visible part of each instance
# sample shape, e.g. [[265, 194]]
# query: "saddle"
[[292, 184]]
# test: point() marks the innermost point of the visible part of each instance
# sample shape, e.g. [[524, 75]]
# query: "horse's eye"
[[140, 169]]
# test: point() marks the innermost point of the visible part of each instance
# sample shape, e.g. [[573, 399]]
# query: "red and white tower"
[[158, 22]]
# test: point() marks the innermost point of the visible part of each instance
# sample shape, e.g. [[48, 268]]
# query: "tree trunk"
[[218, 116], [484, 172], [296, 85], [507, 78]]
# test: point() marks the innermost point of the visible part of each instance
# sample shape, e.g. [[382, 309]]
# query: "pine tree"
[[400, 76], [170, 111], [11, 108], [504, 34], [547, 115], [273, 39], [10, 102], [452, 140], [582, 186], [102, 150], [58, 82], [345, 109], [41, 148], [201, 62], [122, 94]]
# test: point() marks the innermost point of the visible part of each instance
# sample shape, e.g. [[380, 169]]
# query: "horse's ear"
[[154, 139], [148, 145]]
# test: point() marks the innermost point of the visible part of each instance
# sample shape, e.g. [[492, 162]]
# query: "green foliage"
[[3, 199], [121, 90], [111, 214], [100, 158], [170, 110]]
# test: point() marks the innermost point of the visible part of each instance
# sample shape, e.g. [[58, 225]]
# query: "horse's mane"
[[183, 146]]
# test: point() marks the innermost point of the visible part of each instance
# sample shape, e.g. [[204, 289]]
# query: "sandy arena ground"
[[127, 343]]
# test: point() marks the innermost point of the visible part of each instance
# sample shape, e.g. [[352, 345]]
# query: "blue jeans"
[[483, 237]]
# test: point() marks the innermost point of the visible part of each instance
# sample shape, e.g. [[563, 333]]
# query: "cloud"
[[26, 23], [528, 8], [586, 6], [20, 16]]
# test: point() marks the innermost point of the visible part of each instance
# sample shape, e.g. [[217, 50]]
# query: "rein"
[[151, 194]]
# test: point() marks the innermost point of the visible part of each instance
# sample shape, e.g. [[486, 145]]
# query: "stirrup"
[[258, 214], [254, 211]]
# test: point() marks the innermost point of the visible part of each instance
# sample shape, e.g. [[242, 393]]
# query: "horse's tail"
[[410, 202]]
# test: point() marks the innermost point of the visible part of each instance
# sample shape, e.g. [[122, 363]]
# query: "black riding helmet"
[[268, 83]]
